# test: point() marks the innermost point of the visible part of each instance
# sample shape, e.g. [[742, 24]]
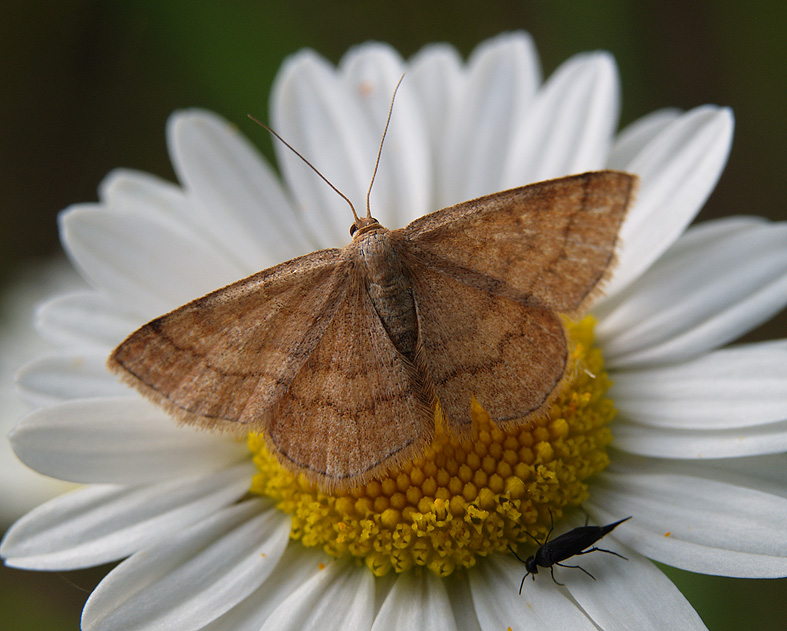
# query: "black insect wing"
[[572, 543]]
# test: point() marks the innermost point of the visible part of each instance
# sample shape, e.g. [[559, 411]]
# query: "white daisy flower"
[[696, 454]]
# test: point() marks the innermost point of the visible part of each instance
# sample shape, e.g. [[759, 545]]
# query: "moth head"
[[363, 224], [530, 566]]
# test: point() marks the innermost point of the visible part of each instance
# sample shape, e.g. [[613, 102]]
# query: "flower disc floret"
[[462, 498]]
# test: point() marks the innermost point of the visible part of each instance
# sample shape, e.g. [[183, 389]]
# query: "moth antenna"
[[380, 150], [311, 166]]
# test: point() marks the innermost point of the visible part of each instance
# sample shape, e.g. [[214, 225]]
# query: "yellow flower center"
[[461, 499]]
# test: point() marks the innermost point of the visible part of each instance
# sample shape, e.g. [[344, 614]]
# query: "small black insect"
[[572, 543]]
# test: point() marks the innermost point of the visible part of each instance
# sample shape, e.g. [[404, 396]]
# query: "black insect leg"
[[552, 572], [576, 567], [601, 550]]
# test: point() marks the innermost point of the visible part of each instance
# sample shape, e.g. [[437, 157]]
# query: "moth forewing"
[[489, 276], [339, 357], [357, 406], [550, 244], [223, 361]]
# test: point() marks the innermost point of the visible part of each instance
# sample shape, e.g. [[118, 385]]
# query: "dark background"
[[87, 86]]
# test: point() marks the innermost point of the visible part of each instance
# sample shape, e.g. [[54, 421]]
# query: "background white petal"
[[21, 488], [708, 521], [69, 375], [692, 301], [767, 472], [416, 601], [630, 594], [194, 576], [84, 320], [495, 586], [570, 123], [142, 263], [461, 597], [312, 109], [233, 192], [402, 189], [636, 136], [103, 523], [767, 438], [698, 237], [734, 387], [503, 74], [117, 441], [339, 597], [678, 169], [137, 194], [436, 73], [296, 567], [705, 235]]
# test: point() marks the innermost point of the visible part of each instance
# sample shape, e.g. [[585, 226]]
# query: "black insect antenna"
[[380, 150], [310, 165]]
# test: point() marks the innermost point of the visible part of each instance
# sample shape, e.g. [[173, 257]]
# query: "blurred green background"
[[88, 85]]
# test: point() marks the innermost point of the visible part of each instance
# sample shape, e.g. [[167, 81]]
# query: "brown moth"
[[339, 357]]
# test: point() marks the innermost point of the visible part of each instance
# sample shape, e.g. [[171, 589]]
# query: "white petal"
[[461, 597], [697, 238], [694, 301], [22, 488], [734, 387], [707, 234], [416, 601], [570, 123], [72, 375], [235, 193], [84, 320], [436, 74], [678, 170], [339, 597], [194, 576], [770, 471], [103, 523], [495, 586], [145, 264], [119, 441], [313, 110], [503, 75], [631, 594], [709, 521], [633, 139], [402, 187], [462, 602], [297, 565], [685, 443], [142, 195]]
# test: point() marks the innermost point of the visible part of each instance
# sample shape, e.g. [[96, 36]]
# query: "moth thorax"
[[390, 290]]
